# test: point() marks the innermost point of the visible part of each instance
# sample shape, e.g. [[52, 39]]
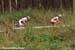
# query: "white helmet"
[[60, 15], [28, 17]]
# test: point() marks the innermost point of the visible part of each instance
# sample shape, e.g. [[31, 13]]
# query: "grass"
[[38, 39], [42, 39]]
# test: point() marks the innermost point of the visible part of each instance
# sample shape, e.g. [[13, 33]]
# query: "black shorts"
[[22, 22], [52, 23]]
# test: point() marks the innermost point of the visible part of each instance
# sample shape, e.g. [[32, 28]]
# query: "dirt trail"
[[40, 27]]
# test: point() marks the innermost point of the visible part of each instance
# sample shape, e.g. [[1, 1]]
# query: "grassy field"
[[38, 39]]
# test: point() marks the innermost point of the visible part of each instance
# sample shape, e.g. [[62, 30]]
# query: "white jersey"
[[22, 20], [54, 19]]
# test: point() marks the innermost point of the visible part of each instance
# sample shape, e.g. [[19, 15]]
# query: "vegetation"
[[62, 38]]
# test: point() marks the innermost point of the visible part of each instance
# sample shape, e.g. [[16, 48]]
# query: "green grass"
[[42, 39], [38, 39]]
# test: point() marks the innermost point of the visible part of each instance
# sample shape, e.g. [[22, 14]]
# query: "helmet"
[[60, 15], [28, 17]]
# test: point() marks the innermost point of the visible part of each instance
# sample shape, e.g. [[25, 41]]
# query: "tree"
[[16, 3], [2, 5], [74, 6], [10, 6]]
